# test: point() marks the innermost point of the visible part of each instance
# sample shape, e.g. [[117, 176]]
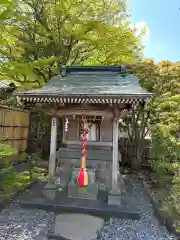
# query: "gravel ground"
[[33, 224], [147, 228], [24, 224]]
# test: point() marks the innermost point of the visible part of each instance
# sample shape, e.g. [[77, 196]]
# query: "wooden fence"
[[14, 127], [128, 151]]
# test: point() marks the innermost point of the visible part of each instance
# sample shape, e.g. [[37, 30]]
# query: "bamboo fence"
[[14, 127]]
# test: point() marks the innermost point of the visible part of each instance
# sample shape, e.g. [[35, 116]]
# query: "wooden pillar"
[[52, 157], [115, 165]]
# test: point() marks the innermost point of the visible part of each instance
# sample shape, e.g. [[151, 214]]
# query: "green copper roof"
[[91, 81]]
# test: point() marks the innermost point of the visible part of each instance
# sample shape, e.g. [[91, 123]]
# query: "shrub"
[[6, 150], [34, 161], [166, 149], [172, 202]]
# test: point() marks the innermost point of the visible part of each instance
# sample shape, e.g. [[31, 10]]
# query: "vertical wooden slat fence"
[[14, 127], [128, 151]]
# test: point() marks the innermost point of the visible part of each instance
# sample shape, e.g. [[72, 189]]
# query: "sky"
[[162, 19]]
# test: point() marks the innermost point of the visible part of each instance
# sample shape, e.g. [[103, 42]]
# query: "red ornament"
[[82, 179]]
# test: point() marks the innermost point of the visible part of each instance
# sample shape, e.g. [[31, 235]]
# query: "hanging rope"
[[84, 140], [83, 175]]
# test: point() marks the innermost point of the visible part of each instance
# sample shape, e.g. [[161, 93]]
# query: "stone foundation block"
[[115, 197], [89, 192], [49, 192]]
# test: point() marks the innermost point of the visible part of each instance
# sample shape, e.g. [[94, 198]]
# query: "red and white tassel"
[[83, 175]]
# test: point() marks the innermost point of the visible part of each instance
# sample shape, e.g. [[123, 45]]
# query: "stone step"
[[76, 205], [76, 227], [93, 154]]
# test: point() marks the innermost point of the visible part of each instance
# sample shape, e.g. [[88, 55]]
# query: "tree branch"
[[40, 73]]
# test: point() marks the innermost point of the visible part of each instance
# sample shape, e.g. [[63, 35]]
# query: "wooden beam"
[[80, 109], [84, 112], [52, 157], [115, 164]]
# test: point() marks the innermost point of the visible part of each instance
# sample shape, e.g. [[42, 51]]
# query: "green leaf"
[[65, 32]]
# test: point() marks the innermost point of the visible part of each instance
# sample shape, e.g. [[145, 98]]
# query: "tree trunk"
[[136, 161], [30, 167]]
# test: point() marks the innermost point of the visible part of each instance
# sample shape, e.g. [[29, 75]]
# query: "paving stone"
[[78, 226]]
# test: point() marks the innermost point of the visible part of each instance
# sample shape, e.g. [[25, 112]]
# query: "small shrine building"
[[92, 96]]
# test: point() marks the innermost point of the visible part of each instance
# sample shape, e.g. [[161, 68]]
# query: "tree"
[[162, 79], [135, 124], [164, 124], [43, 34], [5, 9], [161, 115]]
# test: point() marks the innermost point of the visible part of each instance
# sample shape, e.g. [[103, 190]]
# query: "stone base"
[[76, 227], [103, 187], [114, 200], [62, 175], [50, 186], [115, 192], [89, 192], [115, 197], [49, 191]]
